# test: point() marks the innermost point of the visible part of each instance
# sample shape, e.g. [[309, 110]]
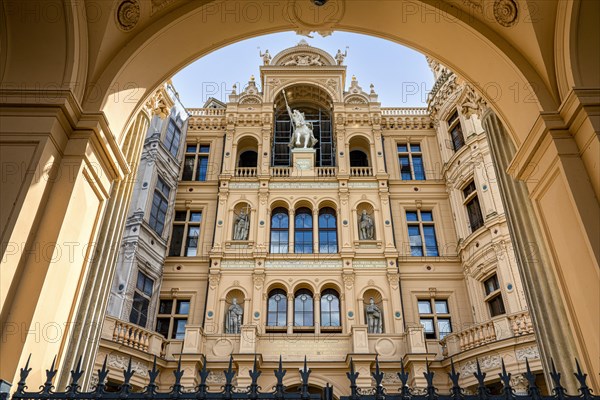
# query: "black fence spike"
[[304, 375], [505, 378], [22, 384], [152, 374], [403, 376], [102, 374], [428, 374], [533, 389], [378, 376], [352, 377], [229, 374], [454, 377], [254, 375], [75, 376], [279, 374], [50, 373], [581, 377], [178, 373], [558, 389], [482, 391]]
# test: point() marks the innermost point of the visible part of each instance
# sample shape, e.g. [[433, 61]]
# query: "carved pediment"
[[303, 55]]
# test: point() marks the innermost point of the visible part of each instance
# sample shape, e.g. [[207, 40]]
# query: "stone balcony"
[[494, 330], [129, 338]]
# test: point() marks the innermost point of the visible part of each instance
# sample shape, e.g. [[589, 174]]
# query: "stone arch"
[[304, 284], [304, 202]]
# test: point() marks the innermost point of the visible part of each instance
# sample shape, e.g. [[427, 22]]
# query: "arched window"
[[303, 308], [358, 158], [303, 235], [330, 308], [248, 159], [327, 231], [279, 231], [277, 308]]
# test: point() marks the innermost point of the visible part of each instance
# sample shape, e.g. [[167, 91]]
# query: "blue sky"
[[401, 75]]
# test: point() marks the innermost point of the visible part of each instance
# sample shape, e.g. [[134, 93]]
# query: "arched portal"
[[103, 65]]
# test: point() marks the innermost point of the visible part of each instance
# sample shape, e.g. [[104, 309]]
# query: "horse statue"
[[302, 136]]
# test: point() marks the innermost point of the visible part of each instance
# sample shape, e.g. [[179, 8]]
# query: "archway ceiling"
[[122, 68]]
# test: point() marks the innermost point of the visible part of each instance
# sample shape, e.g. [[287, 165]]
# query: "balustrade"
[[245, 172], [201, 112], [131, 335], [280, 172], [326, 171], [361, 171]]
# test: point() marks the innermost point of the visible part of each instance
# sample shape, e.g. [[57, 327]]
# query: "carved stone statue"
[[302, 136], [265, 56], [374, 320], [241, 226], [339, 57], [233, 322], [366, 229]]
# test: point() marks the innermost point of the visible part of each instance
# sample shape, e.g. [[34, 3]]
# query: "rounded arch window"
[[327, 231], [277, 308], [303, 235], [280, 224], [303, 308], [330, 308]]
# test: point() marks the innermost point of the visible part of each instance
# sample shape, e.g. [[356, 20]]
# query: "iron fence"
[[280, 392]]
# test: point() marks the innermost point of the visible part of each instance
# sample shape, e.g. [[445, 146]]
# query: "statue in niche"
[[374, 320], [265, 56], [366, 229], [241, 227], [233, 322], [302, 136]]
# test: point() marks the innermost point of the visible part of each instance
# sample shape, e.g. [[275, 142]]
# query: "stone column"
[[549, 317], [292, 224], [290, 313], [317, 312]]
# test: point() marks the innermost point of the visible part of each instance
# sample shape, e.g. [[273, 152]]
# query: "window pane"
[[162, 326], [405, 168], [491, 284], [444, 327], [176, 241], [430, 240], [195, 217], [426, 216], [496, 306], [191, 148], [183, 307], [402, 148], [165, 307], [441, 307], [139, 310], [180, 215], [427, 324], [411, 216], [202, 168], [205, 149], [424, 307], [418, 168], [415, 148], [179, 328], [191, 247], [188, 168], [416, 244]]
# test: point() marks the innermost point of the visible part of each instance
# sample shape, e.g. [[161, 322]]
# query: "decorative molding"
[[369, 264], [122, 362], [128, 15], [486, 363], [237, 264], [505, 12], [527, 352], [303, 185]]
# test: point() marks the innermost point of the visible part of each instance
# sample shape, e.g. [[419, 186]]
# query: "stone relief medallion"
[[505, 12], [128, 15], [222, 347], [385, 347], [309, 18]]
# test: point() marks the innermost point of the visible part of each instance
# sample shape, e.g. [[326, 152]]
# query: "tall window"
[[277, 308], [160, 201], [172, 138], [456, 133], [172, 318], [303, 235], [330, 309], [493, 296], [435, 318], [473, 207], [280, 224], [411, 162], [195, 163], [358, 158], [141, 300], [421, 233], [303, 308], [327, 231], [186, 231]]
